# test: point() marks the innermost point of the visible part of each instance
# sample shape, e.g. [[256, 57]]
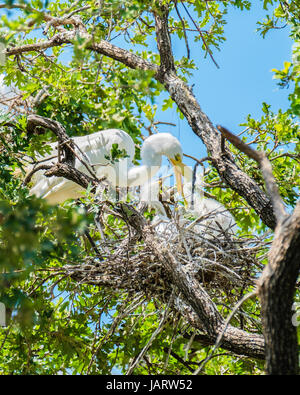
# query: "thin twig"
[[201, 35], [184, 31], [220, 336], [154, 334]]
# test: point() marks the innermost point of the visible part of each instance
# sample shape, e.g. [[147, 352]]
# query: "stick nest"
[[220, 260]]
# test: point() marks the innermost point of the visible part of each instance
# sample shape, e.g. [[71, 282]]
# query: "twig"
[[220, 336], [296, 157], [88, 236], [123, 313], [154, 334], [184, 30], [201, 35], [200, 161], [180, 360]]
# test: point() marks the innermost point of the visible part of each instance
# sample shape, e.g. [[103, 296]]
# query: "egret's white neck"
[[139, 175]]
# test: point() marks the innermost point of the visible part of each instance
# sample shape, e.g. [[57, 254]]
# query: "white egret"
[[95, 150]]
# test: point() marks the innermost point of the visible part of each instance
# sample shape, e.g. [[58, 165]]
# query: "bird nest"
[[220, 260]]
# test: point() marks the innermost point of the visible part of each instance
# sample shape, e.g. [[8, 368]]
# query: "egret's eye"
[[177, 157]]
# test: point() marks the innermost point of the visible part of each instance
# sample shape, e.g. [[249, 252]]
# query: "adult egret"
[[95, 150]]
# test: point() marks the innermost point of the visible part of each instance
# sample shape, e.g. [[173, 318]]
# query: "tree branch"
[[201, 35], [266, 168], [65, 143], [102, 47], [65, 167], [183, 29], [276, 289], [203, 128]]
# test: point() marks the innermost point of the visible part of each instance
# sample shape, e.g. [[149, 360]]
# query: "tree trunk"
[[276, 289]]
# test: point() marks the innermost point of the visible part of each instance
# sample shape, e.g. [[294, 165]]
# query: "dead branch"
[[266, 168]]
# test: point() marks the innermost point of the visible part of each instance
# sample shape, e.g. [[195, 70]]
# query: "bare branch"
[[266, 168], [154, 334], [201, 35]]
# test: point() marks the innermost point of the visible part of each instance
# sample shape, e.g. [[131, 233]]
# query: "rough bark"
[[276, 290], [203, 128], [279, 278]]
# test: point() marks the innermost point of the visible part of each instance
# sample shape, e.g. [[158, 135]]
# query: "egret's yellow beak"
[[179, 172]]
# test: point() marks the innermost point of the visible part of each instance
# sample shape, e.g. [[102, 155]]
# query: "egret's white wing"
[[66, 189], [92, 149]]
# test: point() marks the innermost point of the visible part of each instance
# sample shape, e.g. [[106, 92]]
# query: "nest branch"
[[157, 266]]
